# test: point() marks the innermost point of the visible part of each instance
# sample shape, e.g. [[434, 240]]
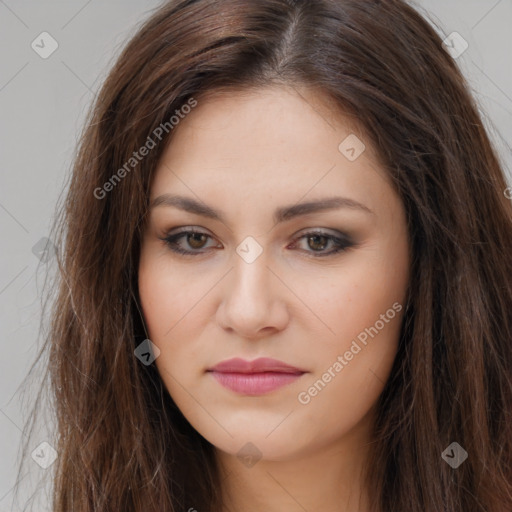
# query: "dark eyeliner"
[[340, 244], [170, 241]]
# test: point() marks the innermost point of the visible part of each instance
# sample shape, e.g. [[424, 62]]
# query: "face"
[[296, 250]]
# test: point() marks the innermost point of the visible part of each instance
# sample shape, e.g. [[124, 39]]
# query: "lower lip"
[[255, 383]]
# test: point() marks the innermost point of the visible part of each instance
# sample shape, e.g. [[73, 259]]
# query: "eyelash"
[[341, 245]]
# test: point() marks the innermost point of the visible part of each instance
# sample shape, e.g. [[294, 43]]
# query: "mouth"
[[256, 377]]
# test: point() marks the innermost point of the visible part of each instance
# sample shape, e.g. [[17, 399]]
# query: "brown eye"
[[193, 243], [189, 242], [196, 240], [317, 242]]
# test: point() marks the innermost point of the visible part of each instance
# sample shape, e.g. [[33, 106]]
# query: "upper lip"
[[260, 365]]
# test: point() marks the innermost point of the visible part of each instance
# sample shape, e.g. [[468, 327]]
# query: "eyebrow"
[[282, 214]]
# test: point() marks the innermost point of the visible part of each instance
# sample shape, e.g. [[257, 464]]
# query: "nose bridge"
[[251, 276], [250, 300]]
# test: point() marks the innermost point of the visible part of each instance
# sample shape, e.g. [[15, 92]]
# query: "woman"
[[286, 280]]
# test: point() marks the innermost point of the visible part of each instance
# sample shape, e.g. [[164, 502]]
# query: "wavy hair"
[[122, 442]]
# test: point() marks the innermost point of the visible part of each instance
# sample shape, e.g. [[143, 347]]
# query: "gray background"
[[43, 103]]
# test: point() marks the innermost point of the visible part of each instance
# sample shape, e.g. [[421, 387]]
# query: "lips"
[[256, 377], [261, 365]]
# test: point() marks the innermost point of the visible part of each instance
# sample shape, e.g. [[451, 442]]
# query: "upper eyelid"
[[341, 242], [303, 232], [336, 237]]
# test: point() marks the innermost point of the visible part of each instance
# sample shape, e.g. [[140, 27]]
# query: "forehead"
[[265, 118], [275, 144]]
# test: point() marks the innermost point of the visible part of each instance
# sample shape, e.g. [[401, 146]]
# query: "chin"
[[256, 439]]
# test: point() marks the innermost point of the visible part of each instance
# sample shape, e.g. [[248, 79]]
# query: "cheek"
[[157, 301], [174, 314], [166, 294], [354, 298], [351, 371], [364, 307]]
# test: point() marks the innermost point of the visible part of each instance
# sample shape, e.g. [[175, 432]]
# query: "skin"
[[247, 153]]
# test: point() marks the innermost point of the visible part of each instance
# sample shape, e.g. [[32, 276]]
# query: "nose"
[[253, 300]]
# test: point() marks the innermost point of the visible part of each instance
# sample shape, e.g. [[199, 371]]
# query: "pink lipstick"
[[256, 377]]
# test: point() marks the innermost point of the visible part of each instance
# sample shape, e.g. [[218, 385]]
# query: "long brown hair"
[[122, 443]]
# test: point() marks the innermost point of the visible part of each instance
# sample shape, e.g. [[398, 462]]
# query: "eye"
[[195, 240], [318, 241]]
